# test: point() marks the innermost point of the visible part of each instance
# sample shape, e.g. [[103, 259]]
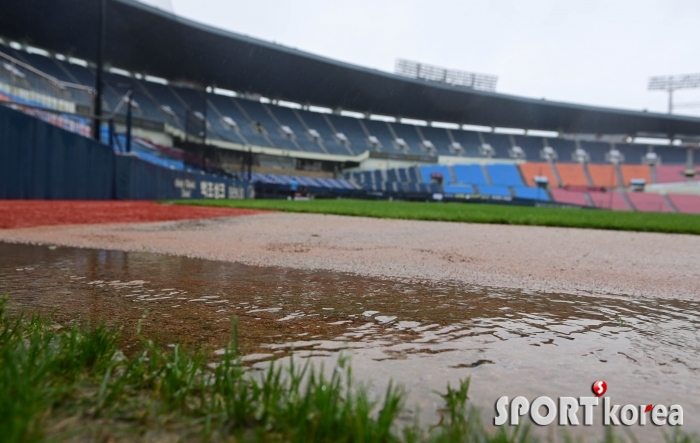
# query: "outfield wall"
[[41, 161]]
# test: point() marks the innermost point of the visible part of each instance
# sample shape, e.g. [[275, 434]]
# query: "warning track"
[[31, 213]]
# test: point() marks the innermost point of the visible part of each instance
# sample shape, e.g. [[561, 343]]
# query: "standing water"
[[421, 335]]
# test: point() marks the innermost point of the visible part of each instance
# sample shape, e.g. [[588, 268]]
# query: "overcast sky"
[[598, 52]]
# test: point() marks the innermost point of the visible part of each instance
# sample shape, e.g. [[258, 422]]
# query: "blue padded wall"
[[41, 161]]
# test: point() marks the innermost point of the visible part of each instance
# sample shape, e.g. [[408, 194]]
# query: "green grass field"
[[477, 213]]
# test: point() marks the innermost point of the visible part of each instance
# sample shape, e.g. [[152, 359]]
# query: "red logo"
[[599, 388]]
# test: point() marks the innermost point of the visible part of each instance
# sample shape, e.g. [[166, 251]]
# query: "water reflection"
[[423, 335]]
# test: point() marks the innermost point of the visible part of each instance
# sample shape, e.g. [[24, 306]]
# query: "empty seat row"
[[276, 126], [638, 201], [499, 174]]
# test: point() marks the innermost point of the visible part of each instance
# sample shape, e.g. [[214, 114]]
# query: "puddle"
[[421, 335]]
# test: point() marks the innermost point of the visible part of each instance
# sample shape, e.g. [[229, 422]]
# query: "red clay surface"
[[30, 213]]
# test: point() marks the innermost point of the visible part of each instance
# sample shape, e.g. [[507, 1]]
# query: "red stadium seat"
[[648, 202], [688, 204], [569, 197], [609, 200]]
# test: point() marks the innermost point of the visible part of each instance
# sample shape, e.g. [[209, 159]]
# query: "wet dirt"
[[420, 335], [31, 213]]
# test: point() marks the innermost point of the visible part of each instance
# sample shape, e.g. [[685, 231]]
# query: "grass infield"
[[478, 213]]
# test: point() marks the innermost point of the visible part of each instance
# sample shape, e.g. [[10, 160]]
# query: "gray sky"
[[598, 52]]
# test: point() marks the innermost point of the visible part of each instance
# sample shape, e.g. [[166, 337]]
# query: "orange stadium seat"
[[630, 172], [534, 169], [603, 175], [572, 174]]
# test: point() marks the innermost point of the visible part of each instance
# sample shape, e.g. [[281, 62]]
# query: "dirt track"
[[525, 257], [29, 213]]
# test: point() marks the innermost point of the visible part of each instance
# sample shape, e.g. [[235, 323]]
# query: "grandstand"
[[312, 120]]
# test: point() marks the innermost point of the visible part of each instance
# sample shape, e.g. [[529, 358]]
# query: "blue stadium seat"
[[564, 148], [402, 175], [672, 155], [596, 150], [317, 121], [287, 117], [439, 138], [413, 174], [505, 175], [470, 174], [499, 142], [409, 134], [380, 130], [532, 146], [350, 127], [426, 171], [633, 153], [470, 141], [531, 193]]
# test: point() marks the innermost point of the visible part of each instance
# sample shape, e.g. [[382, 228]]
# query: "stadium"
[[418, 224]]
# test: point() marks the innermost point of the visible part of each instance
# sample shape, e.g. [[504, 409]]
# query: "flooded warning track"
[[421, 335]]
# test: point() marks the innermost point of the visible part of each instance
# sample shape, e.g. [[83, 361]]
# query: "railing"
[[25, 84]]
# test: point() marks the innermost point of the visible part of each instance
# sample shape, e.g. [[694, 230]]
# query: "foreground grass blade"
[[75, 382]]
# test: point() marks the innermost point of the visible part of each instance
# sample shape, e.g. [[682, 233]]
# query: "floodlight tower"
[[672, 83]]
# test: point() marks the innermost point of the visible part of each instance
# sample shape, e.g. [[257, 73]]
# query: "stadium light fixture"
[[671, 83], [482, 82]]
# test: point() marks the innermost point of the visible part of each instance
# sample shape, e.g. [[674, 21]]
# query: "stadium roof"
[[144, 39]]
